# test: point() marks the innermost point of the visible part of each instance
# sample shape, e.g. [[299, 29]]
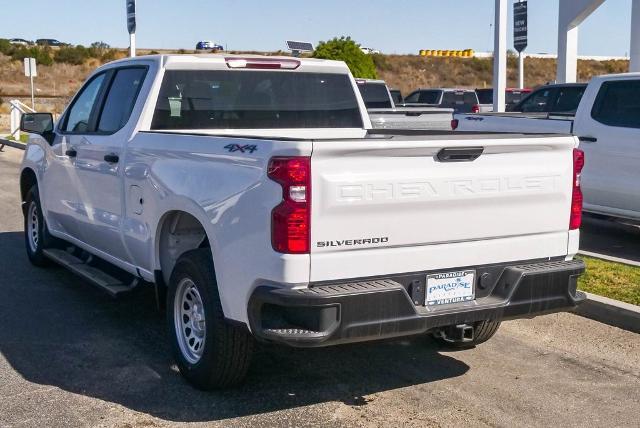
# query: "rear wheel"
[[482, 331], [36, 233], [209, 352]]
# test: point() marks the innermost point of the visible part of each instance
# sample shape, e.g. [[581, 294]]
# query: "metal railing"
[[18, 108]]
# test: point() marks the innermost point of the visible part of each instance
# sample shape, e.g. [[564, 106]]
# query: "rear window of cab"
[[251, 99]]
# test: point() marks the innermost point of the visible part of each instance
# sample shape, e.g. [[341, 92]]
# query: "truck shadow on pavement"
[[55, 330], [612, 238]]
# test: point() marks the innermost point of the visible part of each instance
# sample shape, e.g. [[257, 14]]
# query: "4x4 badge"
[[242, 149]]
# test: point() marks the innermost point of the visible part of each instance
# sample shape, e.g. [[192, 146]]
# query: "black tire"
[[483, 331], [43, 239], [226, 353]]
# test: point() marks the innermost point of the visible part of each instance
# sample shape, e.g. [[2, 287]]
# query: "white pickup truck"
[[607, 122], [251, 192], [384, 114]]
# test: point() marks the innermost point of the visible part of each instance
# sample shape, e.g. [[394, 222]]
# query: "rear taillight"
[[291, 219], [475, 108], [576, 199], [454, 124]]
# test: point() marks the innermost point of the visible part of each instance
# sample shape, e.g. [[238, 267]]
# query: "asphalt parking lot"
[[614, 239], [71, 356]]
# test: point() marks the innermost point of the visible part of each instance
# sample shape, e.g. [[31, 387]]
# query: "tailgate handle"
[[587, 139], [459, 154]]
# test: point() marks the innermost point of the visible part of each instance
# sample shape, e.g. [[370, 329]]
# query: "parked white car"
[[252, 192], [607, 123]]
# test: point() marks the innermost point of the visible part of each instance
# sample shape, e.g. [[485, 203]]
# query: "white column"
[[132, 45], [570, 14], [520, 70], [500, 55], [635, 37], [567, 68]]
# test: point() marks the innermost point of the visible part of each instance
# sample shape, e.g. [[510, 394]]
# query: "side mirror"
[[37, 123]]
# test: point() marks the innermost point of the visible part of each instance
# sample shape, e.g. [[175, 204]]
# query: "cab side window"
[[77, 120], [618, 104], [412, 98]]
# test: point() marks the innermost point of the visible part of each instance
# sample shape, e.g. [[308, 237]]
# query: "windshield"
[[375, 95], [248, 99]]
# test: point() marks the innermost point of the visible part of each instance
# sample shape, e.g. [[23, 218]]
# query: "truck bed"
[[545, 123], [411, 118]]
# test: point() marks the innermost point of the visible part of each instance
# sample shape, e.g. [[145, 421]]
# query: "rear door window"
[[538, 101], [567, 99], [121, 99], [618, 104], [412, 97], [250, 99]]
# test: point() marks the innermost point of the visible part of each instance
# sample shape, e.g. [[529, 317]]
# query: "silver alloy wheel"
[[189, 320], [32, 227]]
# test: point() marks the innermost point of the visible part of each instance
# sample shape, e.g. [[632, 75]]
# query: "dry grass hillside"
[[408, 72], [405, 72]]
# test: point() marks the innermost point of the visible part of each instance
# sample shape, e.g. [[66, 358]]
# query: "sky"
[[392, 26]]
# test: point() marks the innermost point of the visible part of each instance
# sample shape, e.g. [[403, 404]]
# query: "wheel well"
[[27, 181], [179, 232]]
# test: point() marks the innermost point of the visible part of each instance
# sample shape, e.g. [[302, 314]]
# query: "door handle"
[[111, 158], [72, 153], [587, 139]]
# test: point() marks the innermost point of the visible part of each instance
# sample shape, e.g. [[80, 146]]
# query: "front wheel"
[[209, 352]]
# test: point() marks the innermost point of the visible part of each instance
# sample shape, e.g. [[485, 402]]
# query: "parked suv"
[[556, 98], [50, 42]]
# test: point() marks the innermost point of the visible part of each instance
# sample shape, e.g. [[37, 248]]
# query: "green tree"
[[345, 49]]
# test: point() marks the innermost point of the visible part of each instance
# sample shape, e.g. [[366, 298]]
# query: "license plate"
[[450, 287]]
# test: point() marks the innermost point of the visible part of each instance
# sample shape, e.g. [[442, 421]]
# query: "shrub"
[[42, 55], [100, 50], [345, 49], [6, 47], [72, 54]]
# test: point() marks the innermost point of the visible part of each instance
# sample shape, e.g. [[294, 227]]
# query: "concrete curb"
[[11, 143], [610, 258], [611, 312]]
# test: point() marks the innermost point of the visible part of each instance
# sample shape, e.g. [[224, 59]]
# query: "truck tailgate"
[[382, 206]]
